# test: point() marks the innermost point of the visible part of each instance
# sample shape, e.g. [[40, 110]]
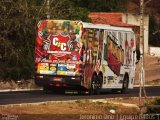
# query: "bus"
[[84, 56]]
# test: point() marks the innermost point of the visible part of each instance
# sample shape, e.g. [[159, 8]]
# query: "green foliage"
[[17, 40], [102, 5], [65, 9], [154, 33], [154, 110]]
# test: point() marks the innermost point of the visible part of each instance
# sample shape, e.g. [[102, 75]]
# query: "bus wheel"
[[59, 90], [100, 80], [47, 89], [125, 84], [94, 85]]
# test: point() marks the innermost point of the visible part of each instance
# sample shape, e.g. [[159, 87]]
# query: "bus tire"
[[93, 87], [99, 83], [57, 90], [96, 84], [47, 89], [125, 84], [100, 80]]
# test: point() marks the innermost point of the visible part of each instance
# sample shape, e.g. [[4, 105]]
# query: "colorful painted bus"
[[84, 56]]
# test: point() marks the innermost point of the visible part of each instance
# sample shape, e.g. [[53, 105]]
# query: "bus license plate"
[[57, 79]]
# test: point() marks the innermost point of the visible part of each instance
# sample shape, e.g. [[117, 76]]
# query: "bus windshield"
[[58, 41]]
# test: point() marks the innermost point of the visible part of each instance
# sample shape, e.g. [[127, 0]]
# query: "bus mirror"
[[138, 55]]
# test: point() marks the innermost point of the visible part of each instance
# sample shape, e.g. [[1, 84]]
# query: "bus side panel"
[[88, 56], [118, 58]]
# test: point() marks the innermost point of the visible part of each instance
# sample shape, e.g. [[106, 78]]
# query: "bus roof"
[[99, 26], [106, 27]]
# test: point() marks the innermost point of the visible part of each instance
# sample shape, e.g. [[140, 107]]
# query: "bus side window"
[[105, 51], [82, 53], [105, 54], [138, 54]]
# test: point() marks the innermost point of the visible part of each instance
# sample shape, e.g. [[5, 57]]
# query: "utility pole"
[[48, 9], [142, 7], [142, 26], [142, 69], [142, 66]]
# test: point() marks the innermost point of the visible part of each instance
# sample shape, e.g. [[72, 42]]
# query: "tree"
[[154, 32], [18, 23], [63, 9], [17, 39], [154, 111], [102, 5]]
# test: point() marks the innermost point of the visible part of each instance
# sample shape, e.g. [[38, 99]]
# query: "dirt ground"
[[80, 109]]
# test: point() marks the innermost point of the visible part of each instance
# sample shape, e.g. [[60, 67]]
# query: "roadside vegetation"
[[154, 108]]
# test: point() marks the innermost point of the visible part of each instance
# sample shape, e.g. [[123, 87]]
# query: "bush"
[[14, 73], [26, 73], [155, 111]]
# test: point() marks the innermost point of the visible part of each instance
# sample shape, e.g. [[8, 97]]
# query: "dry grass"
[[71, 110], [55, 108]]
